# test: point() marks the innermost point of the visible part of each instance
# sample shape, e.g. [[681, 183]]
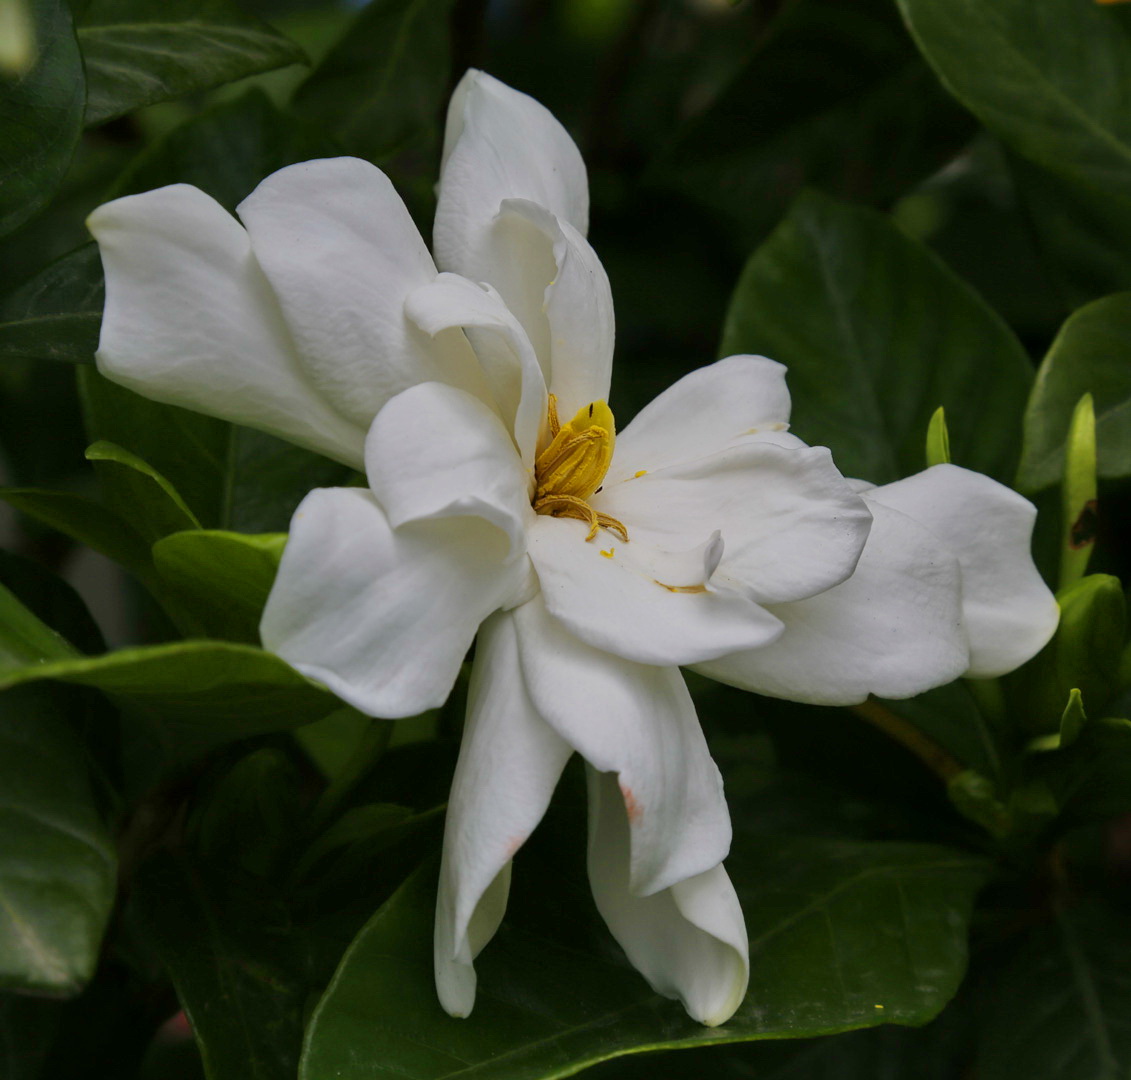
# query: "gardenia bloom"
[[504, 507]]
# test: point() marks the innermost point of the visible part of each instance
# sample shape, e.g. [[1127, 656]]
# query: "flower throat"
[[571, 468]]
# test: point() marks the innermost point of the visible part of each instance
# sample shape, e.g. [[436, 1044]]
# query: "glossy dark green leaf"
[[229, 688], [137, 53], [58, 868], [877, 333], [1053, 81], [85, 520], [230, 951], [56, 315], [381, 89], [838, 97], [226, 150], [228, 476], [52, 600], [222, 577], [843, 935], [139, 493], [1058, 1006], [236, 688], [40, 118], [1091, 355]]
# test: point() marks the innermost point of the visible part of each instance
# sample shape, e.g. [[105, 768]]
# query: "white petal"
[[191, 320], [437, 452], [1009, 612], [646, 605], [791, 524], [501, 144], [728, 402], [342, 254], [640, 723], [383, 618], [509, 764], [894, 628], [504, 352], [689, 941], [573, 309]]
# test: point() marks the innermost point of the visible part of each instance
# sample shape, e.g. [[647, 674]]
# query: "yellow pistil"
[[570, 470]]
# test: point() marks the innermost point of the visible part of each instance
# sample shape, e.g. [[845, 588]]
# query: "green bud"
[[1082, 658], [1073, 718], [1079, 493], [974, 797], [938, 439]]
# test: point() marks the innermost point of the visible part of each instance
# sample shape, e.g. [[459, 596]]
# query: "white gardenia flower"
[[503, 507]]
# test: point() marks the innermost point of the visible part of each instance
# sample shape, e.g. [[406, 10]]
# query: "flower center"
[[570, 470]]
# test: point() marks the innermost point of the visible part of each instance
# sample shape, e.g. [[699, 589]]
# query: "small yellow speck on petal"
[[610, 553], [778, 427], [637, 475]]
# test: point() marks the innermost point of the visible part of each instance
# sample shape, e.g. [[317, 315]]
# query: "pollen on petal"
[[610, 553], [639, 473]]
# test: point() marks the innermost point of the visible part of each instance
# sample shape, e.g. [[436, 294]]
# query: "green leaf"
[[84, 520], [877, 333], [381, 89], [26, 640], [223, 578], [57, 314], [137, 53], [1052, 79], [1091, 355], [225, 151], [139, 493], [58, 868], [1091, 777], [40, 118], [229, 476], [1078, 497], [52, 600], [1053, 82], [843, 935], [230, 953], [837, 97], [1084, 654], [233, 689], [938, 439], [1058, 1006]]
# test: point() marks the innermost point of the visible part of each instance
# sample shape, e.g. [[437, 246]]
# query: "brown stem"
[[941, 763]]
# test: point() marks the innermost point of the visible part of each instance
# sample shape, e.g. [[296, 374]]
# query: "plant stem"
[[938, 760]]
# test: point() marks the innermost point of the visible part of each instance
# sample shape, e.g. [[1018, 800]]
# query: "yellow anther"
[[610, 553], [639, 473], [570, 470]]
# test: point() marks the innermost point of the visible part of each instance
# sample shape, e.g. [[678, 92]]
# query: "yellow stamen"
[[570, 469]]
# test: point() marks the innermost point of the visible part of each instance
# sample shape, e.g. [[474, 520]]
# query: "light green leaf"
[[877, 333], [233, 689], [1057, 1007], [58, 868], [843, 935], [1091, 355], [55, 315], [938, 439], [40, 117], [223, 578], [381, 89], [139, 493], [138, 53]]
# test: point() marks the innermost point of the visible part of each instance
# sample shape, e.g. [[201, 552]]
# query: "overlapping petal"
[[640, 603], [1008, 611], [718, 406], [791, 524], [342, 254], [639, 722], [191, 320], [383, 617], [509, 764], [894, 628], [506, 357], [501, 144], [689, 940], [437, 452]]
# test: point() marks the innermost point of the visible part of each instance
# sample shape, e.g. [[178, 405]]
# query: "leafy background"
[[209, 867]]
